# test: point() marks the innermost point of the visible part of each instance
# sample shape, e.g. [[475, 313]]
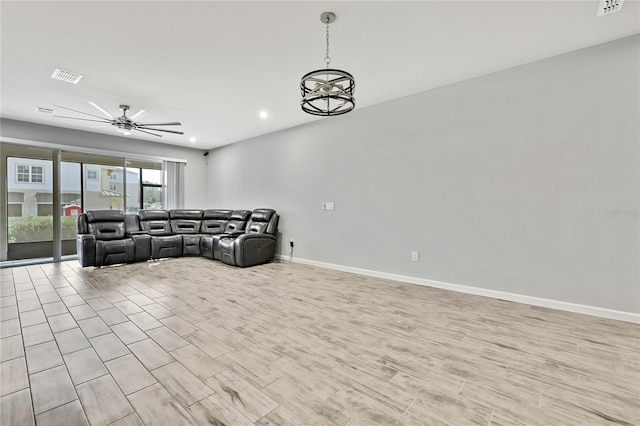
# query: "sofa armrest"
[[254, 249], [86, 248]]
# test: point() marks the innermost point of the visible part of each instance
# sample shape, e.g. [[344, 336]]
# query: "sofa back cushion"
[[184, 221], [237, 222], [214, 221], [155, 222], [104, 224], [184, 226], [185, 214], [263, 221]]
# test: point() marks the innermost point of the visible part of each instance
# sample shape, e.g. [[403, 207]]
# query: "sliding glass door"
[[28, 203], [43, 191]]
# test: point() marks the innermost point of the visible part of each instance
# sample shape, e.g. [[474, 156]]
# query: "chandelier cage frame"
[[329, 91]]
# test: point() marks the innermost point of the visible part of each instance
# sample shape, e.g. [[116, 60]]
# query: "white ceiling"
[[215, 65]]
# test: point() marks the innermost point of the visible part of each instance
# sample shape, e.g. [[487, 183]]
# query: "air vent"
[[608, 7], [66, 76], [44, 110]]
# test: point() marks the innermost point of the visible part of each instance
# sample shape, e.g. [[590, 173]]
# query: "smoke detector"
[[66, 76], [607, 7]]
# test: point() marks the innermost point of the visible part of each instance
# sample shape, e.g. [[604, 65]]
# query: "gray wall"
[[195, 170], [507, 182]]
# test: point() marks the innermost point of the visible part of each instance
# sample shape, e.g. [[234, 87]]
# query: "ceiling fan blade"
[[103, 120], [175, 123], [144, 131], [140, 113], [101, 110], [79, 112], [161, 130]]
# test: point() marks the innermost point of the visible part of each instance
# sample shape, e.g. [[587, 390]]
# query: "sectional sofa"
[[235, 237]]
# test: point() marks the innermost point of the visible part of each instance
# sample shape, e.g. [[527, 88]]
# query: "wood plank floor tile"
[[216, 411], [208, 344], [14, 376], [144, 321], [71, 340], [196, 361], [102, 401], [128, 332], [307, 406], [36, 334], [150, 354], [155, 406], [129, 374], [166, 338], [185, 387], [178, 325], [127, 307], [15, 409], [243, 396], [70, 414], [62, 322], [51, 388], [32, 318], [43, 356], [130, 420], [55, 308], [281, 417], [112, 316], [10, 327], [81, 312], [108, 346], [84, 365], [93, 327]]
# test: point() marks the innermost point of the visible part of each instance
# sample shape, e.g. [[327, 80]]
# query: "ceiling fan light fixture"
[[96, 106], [123, 123], [138, 114], [330, 91]]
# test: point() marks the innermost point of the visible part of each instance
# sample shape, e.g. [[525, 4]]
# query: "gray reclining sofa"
[[235, 237]]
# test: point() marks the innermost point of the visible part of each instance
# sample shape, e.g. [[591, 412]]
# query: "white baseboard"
[[495, 294]]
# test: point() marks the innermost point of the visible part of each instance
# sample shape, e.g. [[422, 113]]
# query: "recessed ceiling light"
[[66, 76], [192, 139], [264, 114]]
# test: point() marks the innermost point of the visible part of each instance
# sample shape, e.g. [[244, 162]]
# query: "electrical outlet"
[[415, 256]]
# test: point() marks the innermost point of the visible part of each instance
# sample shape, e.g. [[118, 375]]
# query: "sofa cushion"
[[156, 227], [263, 221], [107, 230], [185, 214], [151, 214], [184, 226], [213, 226], [217, 214]]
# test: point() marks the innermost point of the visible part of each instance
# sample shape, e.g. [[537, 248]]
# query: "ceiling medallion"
[[329, 91]]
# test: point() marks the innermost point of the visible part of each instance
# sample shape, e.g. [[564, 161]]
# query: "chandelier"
[[328, 91]]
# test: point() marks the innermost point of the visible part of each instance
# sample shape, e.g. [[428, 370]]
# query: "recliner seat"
[[101, 239], [163, 242], [257, 245]]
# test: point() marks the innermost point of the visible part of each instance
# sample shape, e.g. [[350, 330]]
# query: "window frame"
[[30, 173]]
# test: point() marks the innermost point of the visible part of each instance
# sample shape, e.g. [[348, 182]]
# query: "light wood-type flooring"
[[193, 341]]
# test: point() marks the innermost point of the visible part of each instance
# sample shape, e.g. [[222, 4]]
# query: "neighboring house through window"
[[92, 175], [29, 174]]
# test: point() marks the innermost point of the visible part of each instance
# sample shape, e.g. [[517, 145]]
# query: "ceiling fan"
[[123, 123]]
